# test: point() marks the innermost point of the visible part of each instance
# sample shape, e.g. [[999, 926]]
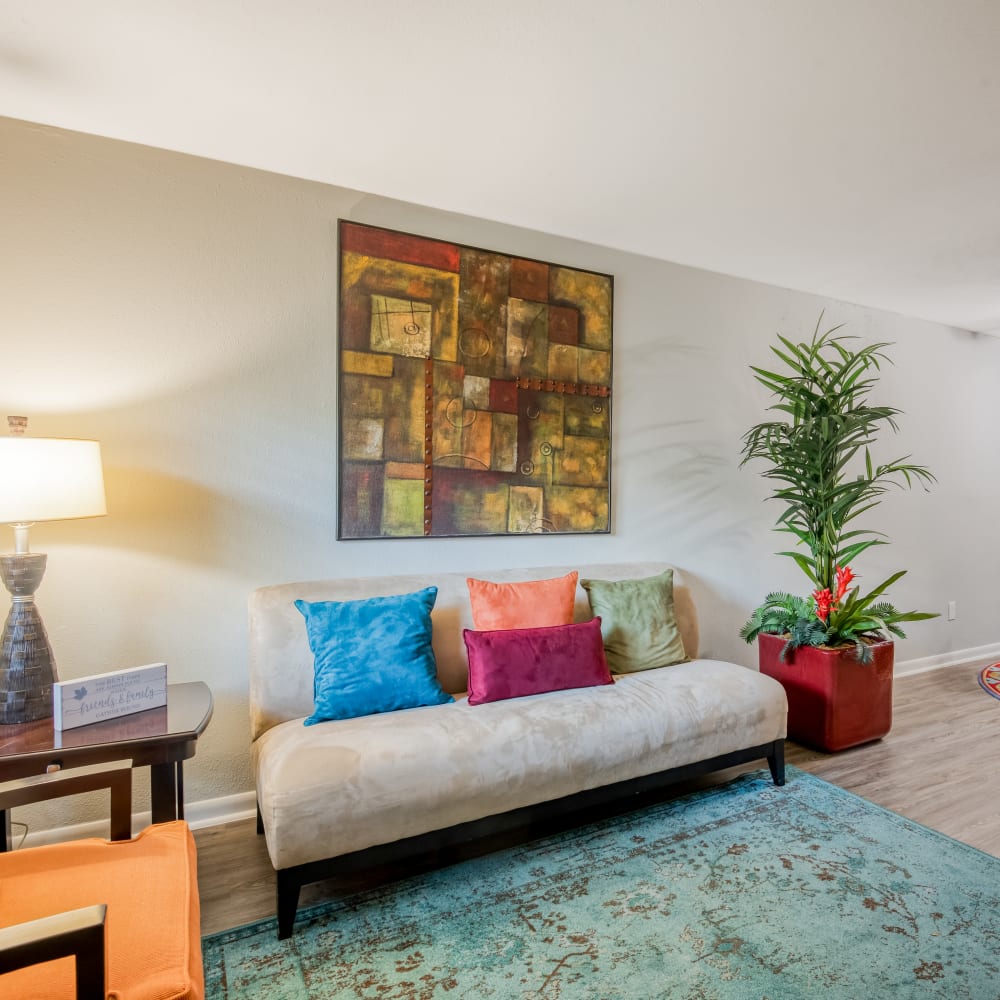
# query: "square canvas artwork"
[[475, 391]]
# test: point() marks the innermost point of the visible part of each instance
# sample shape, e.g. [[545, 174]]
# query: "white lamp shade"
[[49, 479]]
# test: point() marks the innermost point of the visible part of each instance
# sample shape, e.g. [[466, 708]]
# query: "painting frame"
[[474, 390]]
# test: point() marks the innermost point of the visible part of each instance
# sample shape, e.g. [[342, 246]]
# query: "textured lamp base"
[[27, 668]]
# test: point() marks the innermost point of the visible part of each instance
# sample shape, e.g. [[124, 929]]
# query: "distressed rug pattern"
[[741, 891]]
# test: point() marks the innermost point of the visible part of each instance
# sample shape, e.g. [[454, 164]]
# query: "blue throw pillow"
[[372, 656]]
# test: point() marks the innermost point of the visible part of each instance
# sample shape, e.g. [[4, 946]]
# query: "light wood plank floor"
[[937, 766]]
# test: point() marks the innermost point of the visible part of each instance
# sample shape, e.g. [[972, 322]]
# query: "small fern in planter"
[[818, 454], [786, 614], [825, 621]]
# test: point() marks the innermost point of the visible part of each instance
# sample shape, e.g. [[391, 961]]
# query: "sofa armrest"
[[117, 779], [76, 933]]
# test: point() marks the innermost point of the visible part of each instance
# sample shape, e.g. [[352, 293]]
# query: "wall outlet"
[[952, 610]]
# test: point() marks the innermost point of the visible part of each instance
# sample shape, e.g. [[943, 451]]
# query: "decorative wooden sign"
[[100, 697], [475, 391]]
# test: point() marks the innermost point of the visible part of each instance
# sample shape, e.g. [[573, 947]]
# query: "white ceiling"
[[849, 148]]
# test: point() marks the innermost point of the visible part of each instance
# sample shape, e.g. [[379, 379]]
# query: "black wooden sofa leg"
[[260, 822], [288, 901], [776, 762]]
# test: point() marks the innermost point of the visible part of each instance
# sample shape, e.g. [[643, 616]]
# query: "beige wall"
[[183, 311]]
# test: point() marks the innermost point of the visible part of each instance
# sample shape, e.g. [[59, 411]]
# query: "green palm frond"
[[816, 451], [819, 456]]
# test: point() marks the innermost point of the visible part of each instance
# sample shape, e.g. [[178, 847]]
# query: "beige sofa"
[[409, 780]]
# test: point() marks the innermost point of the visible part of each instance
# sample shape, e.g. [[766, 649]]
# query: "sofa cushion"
[[403, 774], [516, 662], [372, 655], [638, 622], [527, 604]]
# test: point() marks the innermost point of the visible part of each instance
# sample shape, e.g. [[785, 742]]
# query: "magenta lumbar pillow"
[[514, 662]]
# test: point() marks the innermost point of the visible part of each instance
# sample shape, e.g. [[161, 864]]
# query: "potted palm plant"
[[832, 650]]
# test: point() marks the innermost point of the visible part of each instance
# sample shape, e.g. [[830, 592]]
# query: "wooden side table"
[[160, 739]]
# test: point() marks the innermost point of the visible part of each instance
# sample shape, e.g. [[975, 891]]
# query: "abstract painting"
[[475, 391]]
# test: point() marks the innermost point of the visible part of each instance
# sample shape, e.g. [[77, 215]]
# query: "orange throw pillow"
[[531, 604]]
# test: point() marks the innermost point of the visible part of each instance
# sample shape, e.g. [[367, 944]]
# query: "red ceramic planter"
[[834, 702]]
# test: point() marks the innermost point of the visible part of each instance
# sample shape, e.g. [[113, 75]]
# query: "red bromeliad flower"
[[844, 576], [823, 600]]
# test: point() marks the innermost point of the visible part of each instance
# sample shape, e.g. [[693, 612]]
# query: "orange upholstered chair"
[[96, 919]]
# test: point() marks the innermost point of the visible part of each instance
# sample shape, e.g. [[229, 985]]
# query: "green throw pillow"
[[637, 622]]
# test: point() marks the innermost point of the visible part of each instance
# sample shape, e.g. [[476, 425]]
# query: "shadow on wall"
[[692, 491], [714, 611]]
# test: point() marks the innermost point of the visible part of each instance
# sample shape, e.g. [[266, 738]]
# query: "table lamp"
[[41, 479]]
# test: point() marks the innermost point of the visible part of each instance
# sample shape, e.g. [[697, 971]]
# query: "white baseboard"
[[207, 812], [977, 656], [226, 809]]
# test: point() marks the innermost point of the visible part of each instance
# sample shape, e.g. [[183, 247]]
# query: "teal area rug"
[[741, 891]]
